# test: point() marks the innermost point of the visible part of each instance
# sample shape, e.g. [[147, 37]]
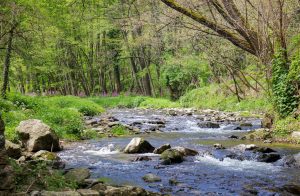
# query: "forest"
[[89, 86]]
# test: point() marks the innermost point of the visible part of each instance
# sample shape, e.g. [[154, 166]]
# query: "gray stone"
[[78, 175], [151, 178], [218, 146], [45, 155], [62, 193], [268, 158], [296, 135], [88, 192], [35, 136], [12, 150], [162, 148], [267, 121], [186, 151], [208, 125], [171, 156], [139, 145]]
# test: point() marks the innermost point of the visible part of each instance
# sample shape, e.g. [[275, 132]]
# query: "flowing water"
[[209, 173]]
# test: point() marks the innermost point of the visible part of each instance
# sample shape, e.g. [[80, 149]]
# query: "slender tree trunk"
[[7, 64]]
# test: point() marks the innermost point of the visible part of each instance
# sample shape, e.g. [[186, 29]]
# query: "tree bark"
[[7, 63]]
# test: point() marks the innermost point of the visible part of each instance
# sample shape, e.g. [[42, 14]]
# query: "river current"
[[206, 174]]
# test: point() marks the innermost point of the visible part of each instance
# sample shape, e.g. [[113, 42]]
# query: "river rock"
[[63, 193], [78, 175], [139, 145], [35, 136], [246, 125], [243, 147], [268, 158], [264, 150], [45, 155], [233, 137], [12, 150], [186, 151], [171, 156], [267, 121], [208, 125], [142, 158], [296, 135], [161, 149], [219, 146], [291, 189], [151, 178], [88, 192]]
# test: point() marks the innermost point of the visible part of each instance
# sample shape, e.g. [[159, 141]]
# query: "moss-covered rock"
[[171, 156]]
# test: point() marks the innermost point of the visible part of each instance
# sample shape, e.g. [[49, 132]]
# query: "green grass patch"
[[120, 130], [39, 176], [284, 127], [211, 97], [134, 102], [63, 114]]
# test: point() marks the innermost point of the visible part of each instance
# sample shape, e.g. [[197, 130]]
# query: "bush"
[[211, 97], [120, 130], [63, 114], [286, 126], [84, 106], [39, 176]]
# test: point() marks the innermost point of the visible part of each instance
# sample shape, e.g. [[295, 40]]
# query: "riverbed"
[[209, 173]]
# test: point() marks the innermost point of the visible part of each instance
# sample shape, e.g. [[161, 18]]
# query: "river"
[[209, 173]]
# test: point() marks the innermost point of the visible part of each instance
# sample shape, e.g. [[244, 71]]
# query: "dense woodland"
[[220, 79], [249, 48]]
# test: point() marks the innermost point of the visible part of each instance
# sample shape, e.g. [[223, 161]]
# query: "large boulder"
[[171, 156], [35, 136], [162, 148], [139, 145], [12, 150]]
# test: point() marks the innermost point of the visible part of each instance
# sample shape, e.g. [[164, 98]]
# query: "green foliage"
[[284, 90], [120, 130], [84, 106], [90, 134], [63, 114], [285, 126], [39, 175], [184, 74], [134, 102], [158, 103], [211, 97]]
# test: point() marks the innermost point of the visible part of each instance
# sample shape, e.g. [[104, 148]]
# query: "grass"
[[134, 102], [63, 114], [39, 176], [120, 130], [211, 97]]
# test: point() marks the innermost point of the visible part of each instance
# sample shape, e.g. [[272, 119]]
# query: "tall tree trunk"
[[7, 63]]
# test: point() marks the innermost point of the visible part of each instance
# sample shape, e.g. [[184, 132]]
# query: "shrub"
[[284, 127], [120, 130]]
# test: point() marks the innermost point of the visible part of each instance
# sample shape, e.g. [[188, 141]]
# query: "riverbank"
[[66, 113]]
